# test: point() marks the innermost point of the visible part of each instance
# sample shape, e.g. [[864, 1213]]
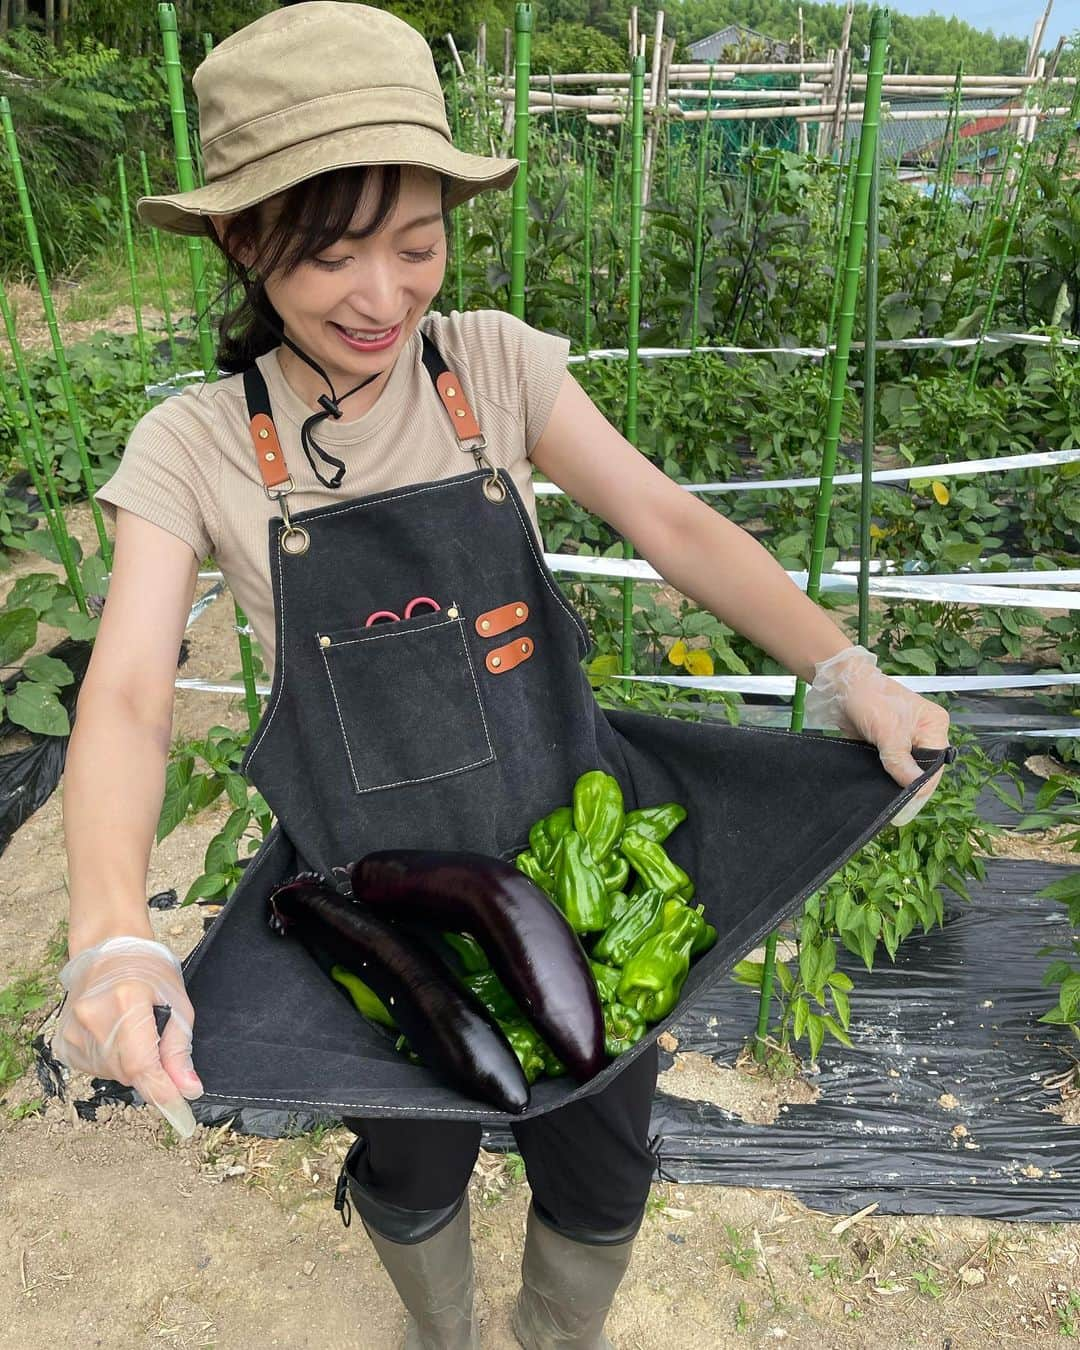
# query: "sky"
[[1013, 18]]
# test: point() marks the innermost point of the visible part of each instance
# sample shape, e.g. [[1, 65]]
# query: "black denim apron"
[[458, 729]]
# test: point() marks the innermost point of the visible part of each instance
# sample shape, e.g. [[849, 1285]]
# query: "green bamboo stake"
[[48, 493], [133, 271], [458, 224], [1068, 131], [943, 181], [999, 271], [155, 243], [586, 277], [838, 270], [699, 211], [519, 229], [879, 32], [637, 156], [74, 416], [869, 396], [208, 43], [185, 179], [554, 110]]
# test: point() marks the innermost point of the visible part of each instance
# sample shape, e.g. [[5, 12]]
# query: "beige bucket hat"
[[313, 87]]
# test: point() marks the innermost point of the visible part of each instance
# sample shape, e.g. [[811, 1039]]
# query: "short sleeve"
[[168, 475], [514, 364]]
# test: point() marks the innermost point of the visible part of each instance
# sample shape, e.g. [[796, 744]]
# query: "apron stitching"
[[374, 637], [341, 723], [279, 665], [544, 576], [305, 1101], [476, 687]]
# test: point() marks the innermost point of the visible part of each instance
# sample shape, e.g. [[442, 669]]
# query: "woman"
[[343, 436]]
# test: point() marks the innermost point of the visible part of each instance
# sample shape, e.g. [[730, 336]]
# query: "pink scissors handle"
[[421, 600], [381, 614]]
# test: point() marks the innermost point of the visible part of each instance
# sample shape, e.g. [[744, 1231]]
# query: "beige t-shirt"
[[190, 467]]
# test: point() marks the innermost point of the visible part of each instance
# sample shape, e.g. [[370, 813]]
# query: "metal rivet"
[[485, 624], [451, 392], [270, 455], [524, 646], [264, 434], [496, 660], [459, 412], [519, 611], [452, 613], [324, 641]]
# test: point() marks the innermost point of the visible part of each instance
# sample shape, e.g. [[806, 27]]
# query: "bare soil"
[[115, 1234]]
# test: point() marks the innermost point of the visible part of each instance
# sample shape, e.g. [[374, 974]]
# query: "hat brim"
[[468, 175]]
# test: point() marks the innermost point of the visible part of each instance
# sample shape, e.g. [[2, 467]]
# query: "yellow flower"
[[876, 532], [678, 654], [941, 493], [699, 663]]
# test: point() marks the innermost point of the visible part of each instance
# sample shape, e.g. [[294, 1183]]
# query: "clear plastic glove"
[[107, 1026], [851, 694]]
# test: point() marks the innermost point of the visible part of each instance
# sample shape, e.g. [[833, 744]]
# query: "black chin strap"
[[331, 405]]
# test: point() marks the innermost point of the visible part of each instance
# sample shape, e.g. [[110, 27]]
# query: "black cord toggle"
[[332, 409]]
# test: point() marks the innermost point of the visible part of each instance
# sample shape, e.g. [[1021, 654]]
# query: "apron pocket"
[[406, 700]]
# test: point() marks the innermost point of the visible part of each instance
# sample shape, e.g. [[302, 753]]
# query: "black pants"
[[589, 1164]]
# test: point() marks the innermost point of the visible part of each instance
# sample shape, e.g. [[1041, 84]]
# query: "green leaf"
[[18, 632], [37, 708], [236, 789], [817, 1035], [93, 575], [802, 1012], [174, 804], [839, 980], [48, 670], [837, 1030], [210, 886], [842, 1006], [38, 590], [1069, 997], [748, 973], [1065, 890], [784, 975]]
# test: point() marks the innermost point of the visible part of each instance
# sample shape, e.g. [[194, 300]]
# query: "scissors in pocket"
[[388, 615]]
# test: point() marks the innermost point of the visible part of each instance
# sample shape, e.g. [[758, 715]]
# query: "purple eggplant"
[[528, 941], [447, 1026]]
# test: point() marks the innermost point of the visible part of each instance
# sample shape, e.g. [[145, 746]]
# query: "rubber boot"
[[567, 1287], [428, 1256]]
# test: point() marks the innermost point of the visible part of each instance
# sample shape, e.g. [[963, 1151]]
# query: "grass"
[[25, 995]]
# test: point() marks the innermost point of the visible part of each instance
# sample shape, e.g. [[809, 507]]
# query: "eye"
[[421, 256], [330, 264]]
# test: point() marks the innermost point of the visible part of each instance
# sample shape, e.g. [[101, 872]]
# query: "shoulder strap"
[[448, 388]]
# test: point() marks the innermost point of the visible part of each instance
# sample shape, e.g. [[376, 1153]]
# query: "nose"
[[376, 297]]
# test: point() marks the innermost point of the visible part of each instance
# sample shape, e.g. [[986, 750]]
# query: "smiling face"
[[355, 302]]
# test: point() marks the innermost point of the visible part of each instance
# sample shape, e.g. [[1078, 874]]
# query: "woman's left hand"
[[850, 693]]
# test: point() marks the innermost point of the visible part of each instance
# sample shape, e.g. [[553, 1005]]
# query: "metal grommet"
[[496, 661], [295, 540], [519, 611], [269, 456], [452, 612], [485, 624], [263, 434], [524, 646], [459, 412], [324, 641], [451, 392]]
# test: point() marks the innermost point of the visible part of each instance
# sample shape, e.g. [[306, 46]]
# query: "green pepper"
[[706, 933], [654, 867], [623, 1027], [528, 1047], [653, 977], [366, 1000], [598, 813], [656, 822], [402, 1046], [553, 1065], [620, 903], [607, 980], [579, 888], [471, 955], [529, 865], [641, 920], [493, 994], [546, 835], [615, 870]]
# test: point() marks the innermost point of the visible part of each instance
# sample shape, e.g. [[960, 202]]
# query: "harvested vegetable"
[[364, 998], [654, 868], [643, 917], [655, 822], [653, 977], [623, 1027], [547, 834], [530, 945], [598, 813], [579, 888], [452, 1032]]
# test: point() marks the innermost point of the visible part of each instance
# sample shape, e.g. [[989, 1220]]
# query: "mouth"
[[367, 340]]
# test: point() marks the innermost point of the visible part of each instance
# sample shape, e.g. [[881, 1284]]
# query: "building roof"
[[735, 35], [919, 137]]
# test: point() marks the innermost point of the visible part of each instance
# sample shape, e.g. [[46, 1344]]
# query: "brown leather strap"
[[501, 620], [268, 452], [501, 659], [461, 415]]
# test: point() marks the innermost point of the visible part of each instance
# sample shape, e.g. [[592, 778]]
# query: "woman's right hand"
[[107, 1026]]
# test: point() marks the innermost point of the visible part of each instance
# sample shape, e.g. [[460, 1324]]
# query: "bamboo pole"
[[804, 131], [155, 243], [586, 242], [457, 233], [879, 31], [455, 54], [637, 101], [133, 271], [699, 229], [185, 178], [523, 21], [37, 457], [74, 415], [869, 408]]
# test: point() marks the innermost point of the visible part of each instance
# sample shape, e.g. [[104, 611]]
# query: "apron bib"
[[457, 728]]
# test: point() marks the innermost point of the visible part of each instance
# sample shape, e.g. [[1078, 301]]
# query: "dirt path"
[[113, 1233]]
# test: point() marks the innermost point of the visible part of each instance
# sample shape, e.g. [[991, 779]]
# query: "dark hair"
[[311, 216]]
